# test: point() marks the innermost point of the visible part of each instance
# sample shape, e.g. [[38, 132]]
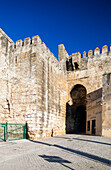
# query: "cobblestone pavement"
[[76, 152]]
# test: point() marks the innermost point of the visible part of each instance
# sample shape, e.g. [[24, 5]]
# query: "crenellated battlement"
[[80, 61], [19, 45], [33, 44], [93, 53], [70, 63], [36, 44], [28, 41], [97, 51]]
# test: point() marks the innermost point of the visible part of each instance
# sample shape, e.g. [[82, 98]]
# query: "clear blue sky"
[[80, 25]]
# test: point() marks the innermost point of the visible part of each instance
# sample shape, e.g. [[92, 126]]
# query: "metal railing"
[[12, 131]]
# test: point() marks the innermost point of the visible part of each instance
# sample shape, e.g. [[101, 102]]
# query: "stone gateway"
[[72, 95]]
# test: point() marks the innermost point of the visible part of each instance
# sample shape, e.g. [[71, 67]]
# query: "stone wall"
[[35, 86], [5, 43], [106, 105], [94, 112], [89, 71]]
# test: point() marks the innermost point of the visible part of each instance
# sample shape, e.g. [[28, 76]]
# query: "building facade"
[[72, 95]]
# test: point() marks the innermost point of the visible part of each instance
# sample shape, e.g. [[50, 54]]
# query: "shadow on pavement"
[[40, 142], [56, 159], [87, 155], [84, 154], [86, 140]]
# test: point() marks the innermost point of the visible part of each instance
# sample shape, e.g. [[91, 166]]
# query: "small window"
[[88, 125]]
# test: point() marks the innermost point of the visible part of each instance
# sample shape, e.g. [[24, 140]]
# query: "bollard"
[[52, 133]]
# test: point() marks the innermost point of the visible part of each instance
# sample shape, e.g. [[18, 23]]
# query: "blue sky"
[[80, 25]]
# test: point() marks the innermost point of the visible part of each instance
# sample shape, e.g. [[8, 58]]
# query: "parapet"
[[19, 43], [34, 44], [97, 51], [84, 54], [27, 41], [78, 61], [36, 39], [104, 49], [76, 57], [90, 53]]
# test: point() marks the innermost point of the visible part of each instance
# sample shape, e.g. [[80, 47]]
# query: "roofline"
[[9, 39]]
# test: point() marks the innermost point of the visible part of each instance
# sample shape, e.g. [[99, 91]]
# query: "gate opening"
[[80, 120], [76, 113]]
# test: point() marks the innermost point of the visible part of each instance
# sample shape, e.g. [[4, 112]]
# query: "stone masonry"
[[36, 87]]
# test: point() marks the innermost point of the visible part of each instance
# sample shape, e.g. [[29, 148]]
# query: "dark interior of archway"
[[76, 113], [80, 120]]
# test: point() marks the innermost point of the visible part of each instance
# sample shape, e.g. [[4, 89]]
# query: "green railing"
[[2, 134], [12, 131]]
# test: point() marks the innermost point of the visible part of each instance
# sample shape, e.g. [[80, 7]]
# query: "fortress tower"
[[72, 95]]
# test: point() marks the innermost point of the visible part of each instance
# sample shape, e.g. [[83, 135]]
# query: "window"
[[88, 125]]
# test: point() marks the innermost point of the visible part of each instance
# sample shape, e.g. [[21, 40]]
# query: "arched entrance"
[[76, 113]]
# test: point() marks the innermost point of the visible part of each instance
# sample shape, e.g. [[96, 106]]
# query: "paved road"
[[76, 152]]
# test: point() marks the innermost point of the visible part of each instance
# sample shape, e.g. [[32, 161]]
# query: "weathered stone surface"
[[106, 105], [35, 86], [94, 74]]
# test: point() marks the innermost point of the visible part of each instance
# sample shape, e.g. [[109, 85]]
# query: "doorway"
[[93, 127], [76, 113], [80, 120]]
